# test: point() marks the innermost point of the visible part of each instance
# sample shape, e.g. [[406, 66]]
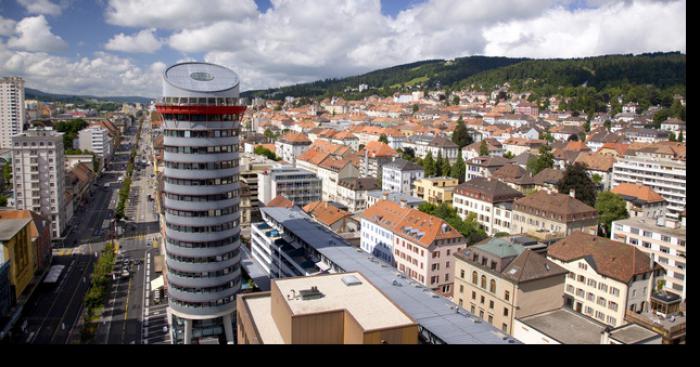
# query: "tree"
[[607, 124], [269, 134], [383, 139], [415, 108], [7, 173], [461, 136], [576, 178], [544, 160], [455, 100], [469, 228], [508, 155], [439, 165], [459, 169], [260, 150], [680, 137], [408, 154], [671, 136], [483, 149], [429, 165], [610, 207], [3, 200], [445, 168]]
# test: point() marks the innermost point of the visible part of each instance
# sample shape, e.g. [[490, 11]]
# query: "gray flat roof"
[[10, 227], [566, 326], [438, 315], [632, 334], [201, 77]]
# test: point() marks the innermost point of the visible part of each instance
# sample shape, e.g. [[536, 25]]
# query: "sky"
[[121, 47]]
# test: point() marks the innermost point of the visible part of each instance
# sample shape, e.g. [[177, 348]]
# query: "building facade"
[[490, 200], [39, 175], [399, 175], [97, 140], [201, 188], [661, 238], [11, 109], [435, 190], [298, 185], [553, 213]]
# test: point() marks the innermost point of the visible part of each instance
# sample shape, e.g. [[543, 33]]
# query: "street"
[[53, 311]]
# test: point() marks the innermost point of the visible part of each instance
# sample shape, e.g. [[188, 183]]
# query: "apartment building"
[[435, 144], [96, 139], [374, 156], [331, 170], [435, 190], [659, 166], [331, 253], [343, 308], [490, 200], [399, 175], [298, 185], [606, 278], [418, 244], [353, 192], [12, 114], [554, 213], [39, 175], [291, 145], [641, 200], [499, 281], [664, 240], [484, 166]]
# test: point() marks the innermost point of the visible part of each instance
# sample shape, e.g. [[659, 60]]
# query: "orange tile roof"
[[325, 212], [295, 138], [638, 191], [378, 149], [595, 161], [334, 164], [409, 223], [280, 202]]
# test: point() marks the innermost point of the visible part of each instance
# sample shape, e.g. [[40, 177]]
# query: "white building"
[[353, 192], [399, 175], [296, 184], [664, 239], [490, 200], [11, 109], [39, 175], [658, 169], [291, 145], [96, 139], [606, 278]]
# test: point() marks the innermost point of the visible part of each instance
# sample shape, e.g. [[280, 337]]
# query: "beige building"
[[664, 239], [553, 213], [435, 190], [606, 278], [490, 200], [12, 114], [340, 308], [499, 281]]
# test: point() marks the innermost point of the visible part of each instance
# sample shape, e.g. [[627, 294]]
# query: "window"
[[591, 283], [603, 287], [614, 291], [473, 295], [601, 301], [461, 273], [611, 320], [473, 309], [483, 281], [491, 305], [475, 278], [490, 319], [590, 296], [583, 266], [588, 310], [504, 328], [569, 288], [461, 288], [505, 311], [483, 300], [599, 315], [507, 296], [581, 279], [612, 305]]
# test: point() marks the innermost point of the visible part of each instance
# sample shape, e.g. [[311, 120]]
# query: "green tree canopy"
[[408, 154], [461, 136], [508, 155], [429, 165], [459, 169], [469, 228], [445, 169], [483, 149], [576, 178], [439, 164], [383, 139], [610, 207], [544, 160], [260, 150]]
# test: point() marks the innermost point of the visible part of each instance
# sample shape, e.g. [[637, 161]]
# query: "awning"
[[157, 283]]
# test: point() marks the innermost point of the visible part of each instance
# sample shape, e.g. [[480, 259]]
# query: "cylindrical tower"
[[202, 235]]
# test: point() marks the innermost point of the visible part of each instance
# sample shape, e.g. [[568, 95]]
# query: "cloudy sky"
[[120, 47]]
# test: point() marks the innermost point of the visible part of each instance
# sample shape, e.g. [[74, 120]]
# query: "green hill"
[[30, 93], [430, 73], [591, 82]]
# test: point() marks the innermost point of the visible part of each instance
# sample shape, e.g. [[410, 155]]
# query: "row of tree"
[[469, 228]]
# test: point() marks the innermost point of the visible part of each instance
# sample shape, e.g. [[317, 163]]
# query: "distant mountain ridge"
[[661, 69], [30, 93]]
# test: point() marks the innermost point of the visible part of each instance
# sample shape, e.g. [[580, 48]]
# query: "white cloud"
[[34, 34], [41, 7], [175, 14], [102, 74], [614, 28], [144, 42], [7, 26]]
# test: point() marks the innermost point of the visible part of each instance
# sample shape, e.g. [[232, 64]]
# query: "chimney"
[[572, 193], [403, 203]]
